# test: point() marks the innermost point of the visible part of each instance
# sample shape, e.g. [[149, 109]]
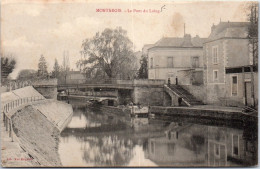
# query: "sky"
[[33, 28]]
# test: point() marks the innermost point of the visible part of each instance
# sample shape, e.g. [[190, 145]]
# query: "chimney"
[[213, 27], [187, 41]]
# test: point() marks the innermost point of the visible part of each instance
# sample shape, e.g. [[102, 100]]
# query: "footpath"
[[11, 152], [36, 125]]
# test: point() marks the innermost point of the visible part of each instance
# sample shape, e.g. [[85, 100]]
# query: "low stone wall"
[[203, 113], [148, 95]]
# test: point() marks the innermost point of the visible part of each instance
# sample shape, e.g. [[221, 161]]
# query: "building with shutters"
[[173, 57], [229, 77]]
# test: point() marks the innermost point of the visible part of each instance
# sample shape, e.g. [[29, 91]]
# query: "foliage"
[[7, 65], [56, 69], [42, 67], [26, 74], [110, 52], [253, 30], [143, 70]]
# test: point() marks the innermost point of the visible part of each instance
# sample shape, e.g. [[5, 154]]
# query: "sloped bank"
[[37, 127]]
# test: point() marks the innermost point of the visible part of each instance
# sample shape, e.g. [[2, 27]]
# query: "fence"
[[11, 106]]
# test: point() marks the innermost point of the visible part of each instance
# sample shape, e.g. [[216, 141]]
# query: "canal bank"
[[205, 111], [34, 126]]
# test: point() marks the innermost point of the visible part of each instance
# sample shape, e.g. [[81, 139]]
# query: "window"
[[170, 62], [215, 54], [235, 143], [151, 64], [215, 75], [195, 62], [234, 86]]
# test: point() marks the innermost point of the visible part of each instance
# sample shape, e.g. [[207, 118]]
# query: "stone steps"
[[185, 95]]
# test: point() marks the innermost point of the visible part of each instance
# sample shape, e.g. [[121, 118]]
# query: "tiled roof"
[[229, 30], [186, 41]]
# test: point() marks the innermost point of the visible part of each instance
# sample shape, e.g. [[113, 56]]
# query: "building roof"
[[187, 42], [229, 30], [74, 72]]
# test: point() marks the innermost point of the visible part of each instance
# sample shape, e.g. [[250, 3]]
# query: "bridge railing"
[[119, 82], [17, 84], [11, 106]]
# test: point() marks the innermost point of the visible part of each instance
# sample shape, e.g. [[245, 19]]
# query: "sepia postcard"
[[129, 83]]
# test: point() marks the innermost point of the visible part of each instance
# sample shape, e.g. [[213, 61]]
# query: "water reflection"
[[96, 138]]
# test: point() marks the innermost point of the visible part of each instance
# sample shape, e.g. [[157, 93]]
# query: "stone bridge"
[[143, 91]]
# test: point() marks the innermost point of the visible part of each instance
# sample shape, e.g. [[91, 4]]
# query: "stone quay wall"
[[36, 125]]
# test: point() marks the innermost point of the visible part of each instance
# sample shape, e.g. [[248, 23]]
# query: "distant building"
[[74, 77], [227, 65], [177, 57]]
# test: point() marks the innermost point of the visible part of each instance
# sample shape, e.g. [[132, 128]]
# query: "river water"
[[98, 138]]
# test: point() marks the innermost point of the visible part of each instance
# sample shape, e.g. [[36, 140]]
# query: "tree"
[[27, 74], [253, 31], [110, 51], [56, 69], [143, 70], [42, 67], [253, 42], [7, 65]]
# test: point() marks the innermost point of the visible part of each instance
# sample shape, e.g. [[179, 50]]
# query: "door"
[[234, 86], [172, 77], [248, 94]]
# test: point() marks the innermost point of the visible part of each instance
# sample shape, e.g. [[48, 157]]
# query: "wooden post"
[[6, 126], [12, 136], [10, 128], [4, 119]]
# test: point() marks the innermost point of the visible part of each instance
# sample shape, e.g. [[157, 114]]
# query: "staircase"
[[188, 98]]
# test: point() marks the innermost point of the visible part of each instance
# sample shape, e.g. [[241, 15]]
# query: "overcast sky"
[[29, 29]]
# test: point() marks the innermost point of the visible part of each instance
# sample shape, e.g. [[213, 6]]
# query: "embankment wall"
[[37, 125]]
